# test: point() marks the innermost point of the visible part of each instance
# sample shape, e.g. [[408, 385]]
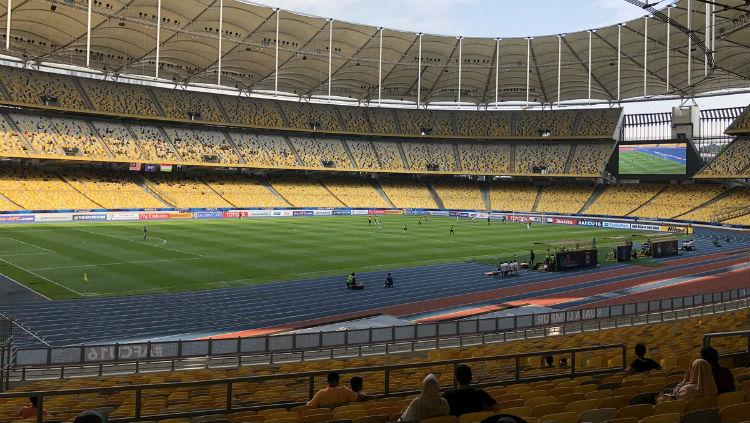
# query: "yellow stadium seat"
[[662, 418], [474, 417], [565, 417], [735, 413], [730, 398]]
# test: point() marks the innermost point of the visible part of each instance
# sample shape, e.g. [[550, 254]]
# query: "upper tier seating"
[[12, 143], [119, 98], [303, 192], [621, 199], [551, 157], [558, 123], [513, 196], [421, 155], [460, 194], [243, 191], [178, 104], [390, 155], [185, 192], [405, 193], [315, 151], [119, 141], [28, 86], [60, 137], [264, 150], [563, 198], [590, 159], [731, 161], [111, 191], [154, 144], [356, 193], [364, 154], [202, 146], [252, 111], [33, 189], [32, 87], [675, 344], [306, 116], [484, 157], [677, 200]]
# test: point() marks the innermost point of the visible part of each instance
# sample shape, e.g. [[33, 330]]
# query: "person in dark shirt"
[[641, 362], [722, 376], [466, 399]]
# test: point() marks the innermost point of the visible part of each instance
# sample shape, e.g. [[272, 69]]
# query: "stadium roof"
[[653, 61]]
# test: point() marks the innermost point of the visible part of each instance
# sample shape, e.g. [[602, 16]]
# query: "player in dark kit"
[[404, 229], [419, 222], [369, 221], [451, 232], [145, 232]]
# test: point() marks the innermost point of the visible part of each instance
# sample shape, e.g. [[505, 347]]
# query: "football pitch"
[[112, 259], [640, 163]]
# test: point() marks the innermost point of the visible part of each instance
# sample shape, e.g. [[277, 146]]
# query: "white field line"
[[145, 243], [33, 245], [116, 263], [25, 287], [41, 277]]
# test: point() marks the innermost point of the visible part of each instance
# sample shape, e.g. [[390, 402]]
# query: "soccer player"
[[145, 232], [404, 230], [488, 221], [419, 222], [451, 232], [528, 225], [369, 221]]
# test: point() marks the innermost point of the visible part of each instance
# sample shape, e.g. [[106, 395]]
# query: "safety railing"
[[653, 312], [709, 337], [507, 373]]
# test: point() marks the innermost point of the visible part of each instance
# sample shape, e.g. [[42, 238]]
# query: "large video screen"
[[652, 159]]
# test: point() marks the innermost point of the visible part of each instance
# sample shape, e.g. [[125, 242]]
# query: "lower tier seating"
[[406, 193]]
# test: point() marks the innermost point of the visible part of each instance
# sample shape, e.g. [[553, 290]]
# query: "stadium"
[[215, 211]]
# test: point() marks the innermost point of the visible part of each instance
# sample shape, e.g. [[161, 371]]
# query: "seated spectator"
[[91, 416], [30, 411], [698, 382], [466, 399], [357, 383], [641, 362], [563, 363], [548, 361], [428, 404], [334, 395], [723, 377]]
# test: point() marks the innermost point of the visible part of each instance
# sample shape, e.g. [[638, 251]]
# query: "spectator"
[[357, 383], [723, 377], [466, 399], [548, 361], [428, 404], [91, 416], [641, 362], [30, 411], [698, 382], [334, 395]]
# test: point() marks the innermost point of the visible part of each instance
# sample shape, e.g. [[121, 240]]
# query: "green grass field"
[[639, 163], [203, 254]]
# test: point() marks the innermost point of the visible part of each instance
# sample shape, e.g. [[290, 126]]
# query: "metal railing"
[[514, 374], [540, 325]]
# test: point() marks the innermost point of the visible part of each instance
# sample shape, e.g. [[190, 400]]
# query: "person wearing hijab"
[[698, 382], [428, 404]]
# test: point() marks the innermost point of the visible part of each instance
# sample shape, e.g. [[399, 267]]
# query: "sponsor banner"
[[454, 213], [564, 221], [17, 218], [437, 213], [232, 214], [182, 215], [482, 215], [376, 212], [154, 216], [415, 211], [360, 212], [676, 229], [260, 213], [642, 227], [90, 216], [123, 216], [342, 212], [594, 223], [394, 211], [536, 219], [576, 259], [54, 217], [616, 225], [322, 212], [212, 214], [302, 213], [516, 218]]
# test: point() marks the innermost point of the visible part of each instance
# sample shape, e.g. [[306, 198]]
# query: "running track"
[[271, 308]]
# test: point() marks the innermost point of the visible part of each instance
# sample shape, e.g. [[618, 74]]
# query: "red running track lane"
[[484, 296], [578, 294], [732, 279]]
